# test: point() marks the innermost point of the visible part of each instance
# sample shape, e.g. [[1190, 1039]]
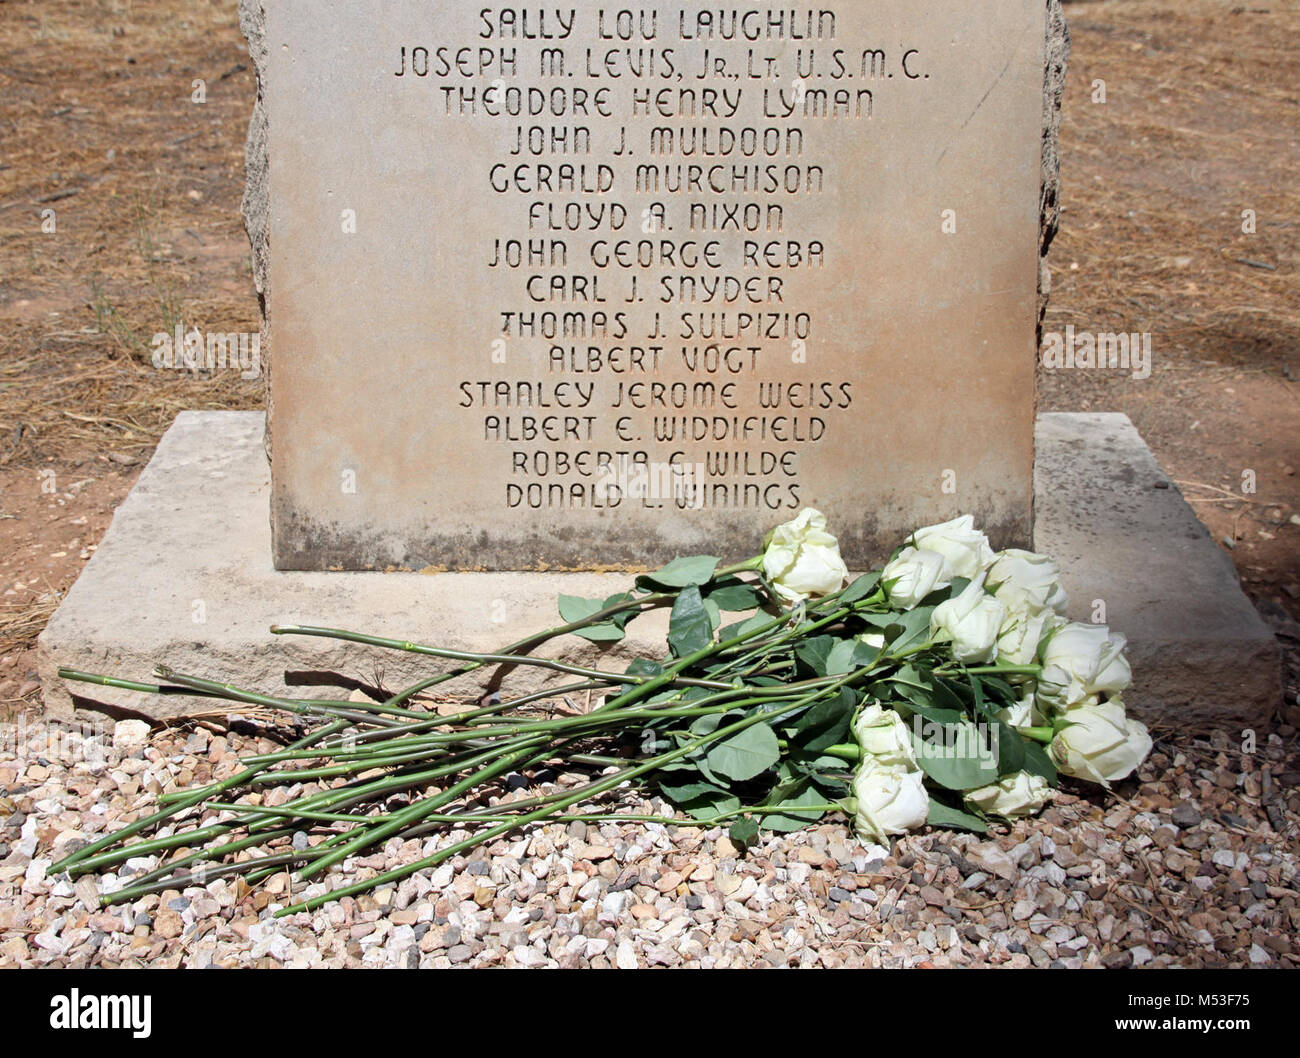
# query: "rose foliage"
[[946, 689]]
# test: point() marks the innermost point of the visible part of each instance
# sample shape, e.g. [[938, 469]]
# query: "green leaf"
[[1039, 762], [941, 815], [1011, 749], [921, 697], [685, 791], [745, 754], [801, 794], [601, 633], [682, 572], [916, 629], [735, 596], [826, 723], [834, 786], [689, 629], [710, 804], [740, 628], [1002, 691], [847, 655], [860, 588], [829, 773], [706, 725], [644, 667], [715, 615], [813, 652], [947, 694], [954, 756], [696, 762], [574, 608], [743, 833]]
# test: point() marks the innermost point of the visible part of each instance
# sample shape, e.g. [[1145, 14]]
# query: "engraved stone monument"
[[555, 287]]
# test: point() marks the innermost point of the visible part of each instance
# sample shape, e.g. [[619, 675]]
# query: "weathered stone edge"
[[256, 202], [1054, 70]]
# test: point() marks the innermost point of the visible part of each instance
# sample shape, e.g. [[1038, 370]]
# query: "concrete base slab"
[[184, 577], [1130, 546]]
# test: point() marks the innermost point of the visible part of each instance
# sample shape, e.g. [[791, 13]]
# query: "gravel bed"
[[1193, 864]]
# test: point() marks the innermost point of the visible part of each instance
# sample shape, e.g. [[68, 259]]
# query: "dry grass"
[[1199, 124], [98, 125]]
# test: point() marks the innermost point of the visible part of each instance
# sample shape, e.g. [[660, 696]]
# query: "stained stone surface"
[[184, 576], [1134, 554], [876, 356]]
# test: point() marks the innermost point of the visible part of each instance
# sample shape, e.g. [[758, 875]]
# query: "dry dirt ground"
[[122, 126]]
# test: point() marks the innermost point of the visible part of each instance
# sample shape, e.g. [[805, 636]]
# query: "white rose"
[[1020, 635], [964, 548], [972, 621], [912, 576], [1027, 582], [884, 736], [802, 559], [889, 800], [1079, 662], [1071, 661], [1101, 744], [1113, 672], [1021, 714], [1017, 795]]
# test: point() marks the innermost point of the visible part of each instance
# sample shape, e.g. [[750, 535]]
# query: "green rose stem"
[[608, 783], [640, 603], [990, 670], [424, 807], [466, 655], [667, 677], [605, 678], [270, 864], [715, 703], [339, 797], [258, 867], [380, 786], [406, 781], [189, 800], [612, 817], [148, 848], [674, 821], [428, 724], [86, 861], [259, 833], [165, 877], [372, 835], [802, 630], [301, 706]]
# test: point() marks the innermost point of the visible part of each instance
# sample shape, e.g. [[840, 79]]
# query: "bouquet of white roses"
[[946, 689]]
